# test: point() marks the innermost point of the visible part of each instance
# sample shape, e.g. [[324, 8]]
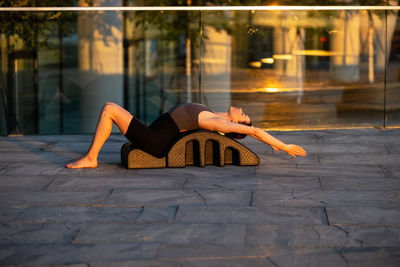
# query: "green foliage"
[[29, 25]]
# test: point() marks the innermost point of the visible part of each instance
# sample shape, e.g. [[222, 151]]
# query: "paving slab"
[[218, 234], [220, 253], [363, 215], [339, 206], [10, 183], [196, 172], [357, 159], [139, 198], [325, 198], [343, 138], [158, 214], [227, 183], [179, 197], [72, 254], [82, 183], [23, 198], [59, 214], [194, 263], [318, 170], [254, 183], [104, 170], [323, 235], [268, 215], [374, 256], [38, 233], [30, 169], [9, 214], [359, 184]]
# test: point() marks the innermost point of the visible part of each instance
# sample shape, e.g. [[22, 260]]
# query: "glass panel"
[[393, 70], [216, 60], [305, 69], [287, 69], [161, 61], [50, 96]]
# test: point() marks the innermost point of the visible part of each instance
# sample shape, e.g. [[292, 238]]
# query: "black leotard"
[[159, 136]]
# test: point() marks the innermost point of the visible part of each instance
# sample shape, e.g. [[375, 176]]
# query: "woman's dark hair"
[[238, 135]]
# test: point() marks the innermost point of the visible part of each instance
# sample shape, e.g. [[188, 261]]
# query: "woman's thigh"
[[155, 139], [119, 115]]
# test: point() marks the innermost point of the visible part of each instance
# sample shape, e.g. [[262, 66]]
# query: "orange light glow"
[[268, 60], [271, 90], [283, 56], [255, 64], [320, 53]]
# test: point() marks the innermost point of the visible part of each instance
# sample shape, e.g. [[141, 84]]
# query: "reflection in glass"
[[308, 69], [288, 69], [393, 70], [161, 58]]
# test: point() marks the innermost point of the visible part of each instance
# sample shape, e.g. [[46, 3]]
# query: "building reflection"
[[288, 69]]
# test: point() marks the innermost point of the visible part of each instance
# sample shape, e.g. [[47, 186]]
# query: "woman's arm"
[[224, 126]]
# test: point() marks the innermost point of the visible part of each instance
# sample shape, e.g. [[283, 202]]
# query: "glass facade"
[[288, 69]]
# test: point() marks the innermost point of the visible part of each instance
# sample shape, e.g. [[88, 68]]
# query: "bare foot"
[[84, 162]]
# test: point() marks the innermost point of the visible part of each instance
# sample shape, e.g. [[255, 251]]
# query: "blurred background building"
[[289, 69]]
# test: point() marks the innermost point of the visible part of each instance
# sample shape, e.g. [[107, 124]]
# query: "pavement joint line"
[[387, 149], [140, 213], [202, 197], [385, 173], [361, 242], [176, 212], [16, 219], [5, 224], [344, 258], [272, 262], [341, 229], [108, 196], [320, 184], [81, 229], [4, 166], [324, 216], [323, 203], [45, 188], [184, 183]]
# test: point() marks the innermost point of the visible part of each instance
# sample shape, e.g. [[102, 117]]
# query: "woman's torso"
[[186, 115]]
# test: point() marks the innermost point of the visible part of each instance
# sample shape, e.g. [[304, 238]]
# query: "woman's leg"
[[111, 113]]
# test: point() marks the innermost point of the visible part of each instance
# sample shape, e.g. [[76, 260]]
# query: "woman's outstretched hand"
[[275, 148], [294, 150]]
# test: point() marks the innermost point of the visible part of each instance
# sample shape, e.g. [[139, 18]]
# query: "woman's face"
[[237, 115]]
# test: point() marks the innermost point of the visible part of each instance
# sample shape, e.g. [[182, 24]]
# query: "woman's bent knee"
[[108, 109], [109, 105]]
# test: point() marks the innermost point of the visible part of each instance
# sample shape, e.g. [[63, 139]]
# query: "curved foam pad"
[[198, 147]]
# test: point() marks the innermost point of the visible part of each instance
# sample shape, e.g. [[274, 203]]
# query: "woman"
[[157, 138]]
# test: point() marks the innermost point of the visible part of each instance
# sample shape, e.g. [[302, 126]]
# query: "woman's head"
[[237, 115]]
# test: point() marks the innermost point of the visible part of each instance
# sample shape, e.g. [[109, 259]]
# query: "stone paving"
[[339, 206]]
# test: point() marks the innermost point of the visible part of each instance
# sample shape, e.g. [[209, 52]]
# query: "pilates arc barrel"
[[197, 147]]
